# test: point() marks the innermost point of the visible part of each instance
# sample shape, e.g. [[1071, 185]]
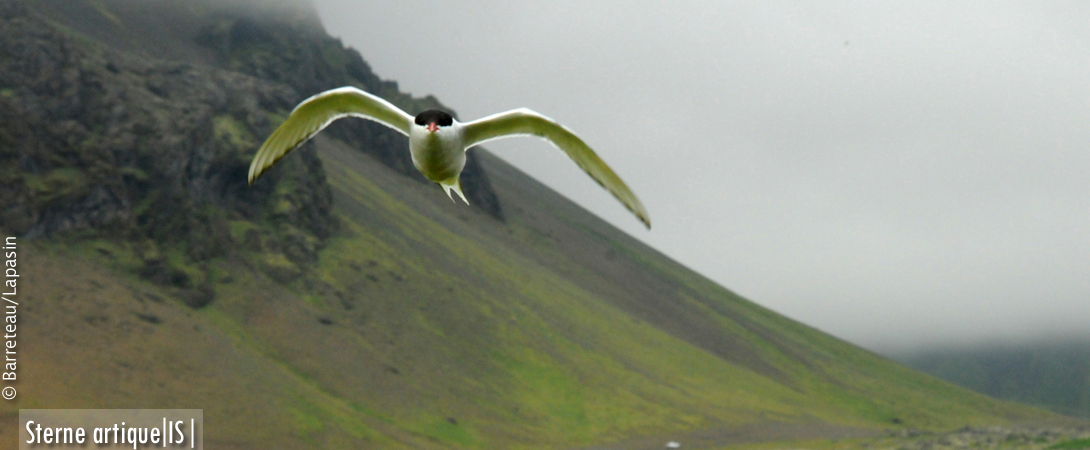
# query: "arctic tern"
[[437, 142]]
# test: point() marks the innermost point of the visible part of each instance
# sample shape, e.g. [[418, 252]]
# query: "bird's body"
[[439, 155], [437, 142]]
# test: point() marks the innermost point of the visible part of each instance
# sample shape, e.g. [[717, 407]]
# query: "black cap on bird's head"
[[432, 119]]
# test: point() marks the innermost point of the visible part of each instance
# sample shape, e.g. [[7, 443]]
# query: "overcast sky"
[[898, 175]]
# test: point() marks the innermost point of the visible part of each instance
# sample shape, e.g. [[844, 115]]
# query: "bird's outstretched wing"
[[317, 112], [524, 122]]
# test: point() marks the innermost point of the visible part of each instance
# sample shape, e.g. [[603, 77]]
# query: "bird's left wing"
[[524, 122], [317, 112]]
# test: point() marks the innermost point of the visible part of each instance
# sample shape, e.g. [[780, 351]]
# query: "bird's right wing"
[[525, 122], [317, 112]]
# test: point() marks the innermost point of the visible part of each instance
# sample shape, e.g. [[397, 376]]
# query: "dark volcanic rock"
[[96, 139], [99, 139]]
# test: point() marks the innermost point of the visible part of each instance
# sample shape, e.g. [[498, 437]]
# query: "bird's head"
[[433, 119]]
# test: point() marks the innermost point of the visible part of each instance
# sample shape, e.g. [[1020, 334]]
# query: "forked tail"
[[453, 184]]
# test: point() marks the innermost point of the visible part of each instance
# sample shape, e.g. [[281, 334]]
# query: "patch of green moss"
[[305, 422], [1074, 444], [110, 253], [134, 172], [239, 228], [447, 432], [228, 128], [57, 183], [280, 266]]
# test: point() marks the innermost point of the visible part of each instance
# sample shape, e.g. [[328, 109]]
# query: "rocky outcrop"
[[100, 140], [95, 139]]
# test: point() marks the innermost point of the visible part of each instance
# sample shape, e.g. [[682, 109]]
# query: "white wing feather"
[[316, 113], [524, 122]]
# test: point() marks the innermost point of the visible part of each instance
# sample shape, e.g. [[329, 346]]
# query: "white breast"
[[440, 155]]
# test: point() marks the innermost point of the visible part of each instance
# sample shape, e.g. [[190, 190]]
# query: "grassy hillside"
[[431, 325], [344, 303], [1053, 375]]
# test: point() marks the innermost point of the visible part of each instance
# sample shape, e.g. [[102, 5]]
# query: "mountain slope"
[[424, 328], [346, 303], [1053, 375]]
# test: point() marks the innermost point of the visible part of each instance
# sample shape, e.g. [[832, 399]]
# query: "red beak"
[[432, 127]]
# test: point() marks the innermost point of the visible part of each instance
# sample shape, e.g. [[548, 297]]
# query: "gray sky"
[[898, 175]]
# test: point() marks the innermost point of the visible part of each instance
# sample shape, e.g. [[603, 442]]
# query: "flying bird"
[[437, 142]]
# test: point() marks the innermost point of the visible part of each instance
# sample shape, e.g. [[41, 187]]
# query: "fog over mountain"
[[899, 175]]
